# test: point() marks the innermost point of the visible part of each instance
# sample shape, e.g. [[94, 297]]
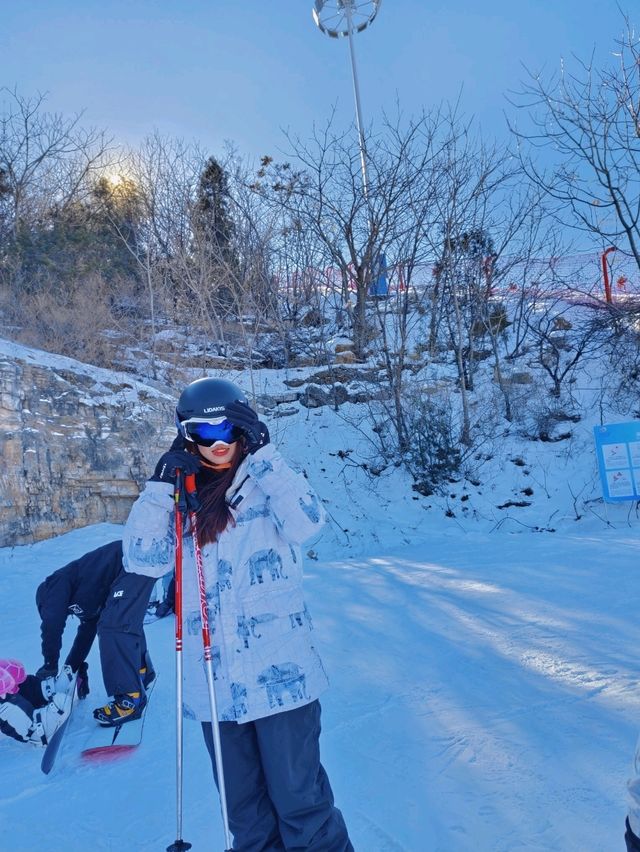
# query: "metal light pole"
[[340, 18]]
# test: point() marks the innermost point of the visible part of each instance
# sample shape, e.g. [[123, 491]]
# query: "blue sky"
[[243, 70]]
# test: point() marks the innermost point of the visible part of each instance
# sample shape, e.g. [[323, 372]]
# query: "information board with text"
[[618, 451]]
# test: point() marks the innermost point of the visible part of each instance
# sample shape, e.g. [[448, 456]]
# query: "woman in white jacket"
[[255, 511]]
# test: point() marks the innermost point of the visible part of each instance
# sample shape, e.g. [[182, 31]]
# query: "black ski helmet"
[[207, 398]]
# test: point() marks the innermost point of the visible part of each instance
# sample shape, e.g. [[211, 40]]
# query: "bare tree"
[[46, 159], [325, 195], [565, 335], [476, 201], [158, 180], [588, 120]]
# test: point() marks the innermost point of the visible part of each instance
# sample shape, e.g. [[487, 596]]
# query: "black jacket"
[[80, 588]]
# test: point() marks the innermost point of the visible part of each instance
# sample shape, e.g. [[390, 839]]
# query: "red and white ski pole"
[[190, 487], [180, 845]]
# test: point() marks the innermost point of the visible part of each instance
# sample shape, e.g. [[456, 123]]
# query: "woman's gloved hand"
[[170, 462], [245, 419]]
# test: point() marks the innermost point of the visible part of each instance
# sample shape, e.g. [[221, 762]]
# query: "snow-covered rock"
[[77, 442]]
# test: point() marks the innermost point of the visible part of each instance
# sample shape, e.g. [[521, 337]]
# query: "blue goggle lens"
[[206, 434]]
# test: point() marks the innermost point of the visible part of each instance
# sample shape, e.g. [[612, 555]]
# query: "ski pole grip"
[[191, 495], [179, 492]]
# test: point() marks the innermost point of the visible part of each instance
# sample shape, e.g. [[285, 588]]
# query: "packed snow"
[[485, 691]]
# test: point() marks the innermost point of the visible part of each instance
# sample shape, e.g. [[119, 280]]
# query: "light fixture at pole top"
[[340, 18]]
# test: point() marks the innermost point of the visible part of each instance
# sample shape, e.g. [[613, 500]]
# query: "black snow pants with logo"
[[121, 634]]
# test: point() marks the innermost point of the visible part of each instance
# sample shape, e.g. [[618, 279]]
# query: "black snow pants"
[[121, 633], [278, 793], [632, 842]]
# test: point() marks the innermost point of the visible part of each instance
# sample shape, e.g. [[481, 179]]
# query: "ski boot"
[[61, 684], [123, 708], [28, 717]]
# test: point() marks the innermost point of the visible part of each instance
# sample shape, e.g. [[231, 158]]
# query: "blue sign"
[[379, 285], [618, 451]]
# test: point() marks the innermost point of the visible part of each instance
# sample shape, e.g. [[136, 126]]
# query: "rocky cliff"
[[76, 443]]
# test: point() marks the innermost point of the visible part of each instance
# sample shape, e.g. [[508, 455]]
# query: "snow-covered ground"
[[485, 696], [483, 657]]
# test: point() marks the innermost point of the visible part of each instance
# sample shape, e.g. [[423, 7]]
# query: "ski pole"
[[190, 487], [180, 507]]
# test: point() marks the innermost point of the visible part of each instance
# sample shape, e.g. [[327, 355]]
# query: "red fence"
[[577, 274]]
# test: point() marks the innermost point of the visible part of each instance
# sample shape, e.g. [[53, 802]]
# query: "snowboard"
[[115, 742], [55, 740]]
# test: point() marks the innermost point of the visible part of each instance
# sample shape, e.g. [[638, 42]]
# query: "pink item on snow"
[[7, 684], [12, 674]]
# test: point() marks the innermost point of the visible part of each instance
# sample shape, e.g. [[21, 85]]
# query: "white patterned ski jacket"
[[264, 658]]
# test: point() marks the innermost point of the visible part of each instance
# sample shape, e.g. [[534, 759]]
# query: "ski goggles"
[[207, 432]]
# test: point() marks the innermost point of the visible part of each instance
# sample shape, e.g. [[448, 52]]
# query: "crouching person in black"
[[112, 603]]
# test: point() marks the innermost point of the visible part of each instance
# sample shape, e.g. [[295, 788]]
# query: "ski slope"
[[485, 696]]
